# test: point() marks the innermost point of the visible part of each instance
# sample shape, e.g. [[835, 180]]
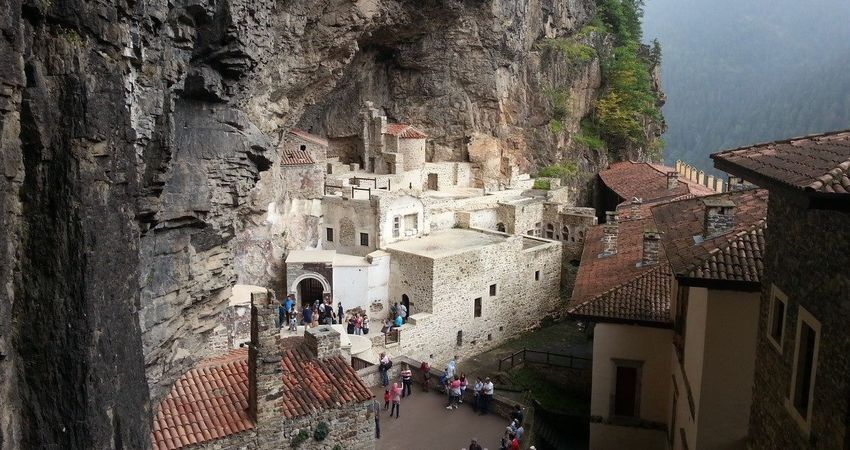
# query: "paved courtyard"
[[426, 424]]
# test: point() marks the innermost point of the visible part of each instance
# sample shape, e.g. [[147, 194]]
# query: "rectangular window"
[[364, 239], [776, 318], [330, 234], [626, 396], [477, 312], [536, 275], [396, 226], [492, 290], [805, 367]]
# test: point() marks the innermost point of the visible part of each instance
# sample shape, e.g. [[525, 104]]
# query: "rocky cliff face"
[[131, 133]]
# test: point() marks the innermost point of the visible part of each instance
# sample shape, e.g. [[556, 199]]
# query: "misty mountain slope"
[[742, 72]]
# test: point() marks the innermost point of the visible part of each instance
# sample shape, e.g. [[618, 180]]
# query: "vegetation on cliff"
[[628, 102]]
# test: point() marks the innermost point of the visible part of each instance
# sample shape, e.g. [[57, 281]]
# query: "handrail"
[[584, 363]]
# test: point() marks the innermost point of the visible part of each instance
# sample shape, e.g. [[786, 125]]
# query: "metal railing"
[[548, 358]]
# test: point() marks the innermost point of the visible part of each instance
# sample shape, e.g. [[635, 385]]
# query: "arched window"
[[581, 236], [565, 233], [550, 231]]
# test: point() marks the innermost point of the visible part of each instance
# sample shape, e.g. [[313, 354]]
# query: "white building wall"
[[379, 279], [351, 286]]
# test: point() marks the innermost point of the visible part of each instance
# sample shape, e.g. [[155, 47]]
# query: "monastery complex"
[[698, 295]]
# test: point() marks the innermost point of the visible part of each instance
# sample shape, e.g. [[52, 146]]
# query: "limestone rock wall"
[[471, 73], [131, 135]]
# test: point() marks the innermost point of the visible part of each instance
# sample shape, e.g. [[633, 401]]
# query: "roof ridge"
[[761, 223], [782, 141], [829, 176]]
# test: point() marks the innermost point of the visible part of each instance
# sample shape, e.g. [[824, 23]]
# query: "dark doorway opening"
[[310, 290], [405, 300]]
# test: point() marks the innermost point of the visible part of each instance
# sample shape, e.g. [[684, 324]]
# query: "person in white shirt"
[[487, 396]]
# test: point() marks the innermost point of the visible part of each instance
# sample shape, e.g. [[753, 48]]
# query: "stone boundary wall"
[[698, 176]]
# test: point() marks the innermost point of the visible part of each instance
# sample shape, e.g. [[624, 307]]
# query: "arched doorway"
[[405, 300], [309, 290]]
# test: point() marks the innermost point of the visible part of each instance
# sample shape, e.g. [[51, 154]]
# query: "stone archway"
[[313, 285]]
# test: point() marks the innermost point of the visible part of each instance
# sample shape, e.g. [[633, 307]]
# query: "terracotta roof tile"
[[194, 412], [597, 275], [818, 163], [735, 255], [311, 385], [295, 157], [647, 181], [646, 298], [404, 131]]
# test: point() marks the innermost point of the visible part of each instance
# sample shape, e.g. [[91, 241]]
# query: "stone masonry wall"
[[807, 256], [459, 279]]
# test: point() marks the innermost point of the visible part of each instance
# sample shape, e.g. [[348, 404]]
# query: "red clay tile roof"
[[740, 259], [817, 163], [309, 137], [295, 158], [739, 252], [404, 131], [597, 275], [645, 298], [311, 385], [646, 181], [208, 402]]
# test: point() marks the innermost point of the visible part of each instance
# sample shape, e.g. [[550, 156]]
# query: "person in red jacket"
[[425, 368]]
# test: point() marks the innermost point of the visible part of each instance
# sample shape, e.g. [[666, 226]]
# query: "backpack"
[[389, 365]]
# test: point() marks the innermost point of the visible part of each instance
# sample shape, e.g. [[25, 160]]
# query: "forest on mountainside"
[[740, 72]]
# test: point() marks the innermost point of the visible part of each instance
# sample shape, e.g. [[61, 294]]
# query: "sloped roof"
[[739, 259], [816, 163], [646, 298], [296, 157], [733, 256], [311, 385], [597, 275], [647, 181], [309, 137], [208, 402], [404, 131]]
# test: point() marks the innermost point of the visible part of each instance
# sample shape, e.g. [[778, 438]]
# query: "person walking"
[[376, 409], [340, 312], [315, 322], [293, 320], [387, 397], [350, 326], [487, 392], [383, 367], [395, 395], [476, 394], [425, 368], [365, 324], [463, 384], [402, 311], [454, 392], [307, 318], [517, 415], [288, 305], [406, 380], [358, 325]]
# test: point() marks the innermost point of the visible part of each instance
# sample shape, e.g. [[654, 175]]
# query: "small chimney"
[[612, 217], [609, 239], [264, 368], [719, 216], [651, 244], [672, 180], [634, 212], [734, 184], [323, 341]]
